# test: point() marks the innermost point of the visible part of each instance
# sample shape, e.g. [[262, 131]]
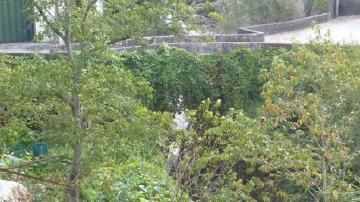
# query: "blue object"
[[40, 149]]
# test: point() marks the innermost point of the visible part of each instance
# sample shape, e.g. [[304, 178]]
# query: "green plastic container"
[[40, 149]]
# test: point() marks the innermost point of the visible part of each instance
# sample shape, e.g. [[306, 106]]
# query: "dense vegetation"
[[267, 125], [232, 78], [237, 13]]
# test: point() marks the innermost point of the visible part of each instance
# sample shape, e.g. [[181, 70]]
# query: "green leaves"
[[307, 97], [232, 78], [239, 13], [133, 180]]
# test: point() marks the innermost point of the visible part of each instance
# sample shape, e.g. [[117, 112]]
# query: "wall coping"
[[251, 36], [195, 47], [209, 47]]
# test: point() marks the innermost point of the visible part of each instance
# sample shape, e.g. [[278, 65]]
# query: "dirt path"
[[343, 30]]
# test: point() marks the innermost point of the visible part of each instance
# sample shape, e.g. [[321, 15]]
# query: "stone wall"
[[292, 25], [209, 47], [249, 36], [196, 47], [349, 7]]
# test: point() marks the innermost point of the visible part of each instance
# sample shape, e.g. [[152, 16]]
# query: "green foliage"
[[273, 11], [320, 6], [39, 102], [129, 19], [87, 99], [230, 158], [248, 12], [36, 95], [311, 95], [121, 19], [175, 74], [216, 145], [303, 147], [172, 74], [146, 134], [134, 180], [235, 77]]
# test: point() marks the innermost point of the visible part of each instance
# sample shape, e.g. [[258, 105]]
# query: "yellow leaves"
[[143, 200], [290, 93], [299, 56], [215, 16], [328, 155], [280, 194], [335, 195], [266, 168], [300, 122], [316, 131], [264, 75]]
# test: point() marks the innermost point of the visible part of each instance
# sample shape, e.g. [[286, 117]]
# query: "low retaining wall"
[[209, 47], [349, 7], [195, 47], [189, 42], [251, 36], [292, 25]]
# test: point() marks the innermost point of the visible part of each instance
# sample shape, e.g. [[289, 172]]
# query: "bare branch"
[[88, 8], [86, 13], [2, 170]]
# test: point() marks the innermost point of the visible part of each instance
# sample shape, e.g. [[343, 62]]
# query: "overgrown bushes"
[[249, 12], [175, 74], [279, 125], [316, 6], [134, 180], [304, 147]]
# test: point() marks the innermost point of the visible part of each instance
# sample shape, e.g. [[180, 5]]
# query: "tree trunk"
[[74, 176], [77, 146]]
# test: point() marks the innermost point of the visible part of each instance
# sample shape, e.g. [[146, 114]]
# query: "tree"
[[311, 95], [231, 158], [83, 86]]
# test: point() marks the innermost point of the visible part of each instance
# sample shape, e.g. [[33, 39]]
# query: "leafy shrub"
[[318, 6], [175, 74], [249, 12], [122, 127], [311, 96], [231, 158], [135, 180], [235, 77]]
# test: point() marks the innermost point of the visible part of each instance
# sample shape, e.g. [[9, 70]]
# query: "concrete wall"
[[292, 25], [196, 48], [209, 48], [349, 7], [251, 36]]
